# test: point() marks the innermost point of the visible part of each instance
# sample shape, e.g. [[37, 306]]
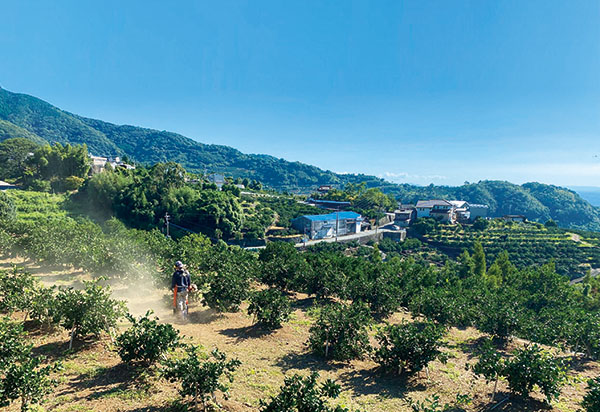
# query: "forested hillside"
[[48, 123], [27, 116]]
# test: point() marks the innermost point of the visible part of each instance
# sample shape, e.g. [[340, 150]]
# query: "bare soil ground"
[[94, 379]]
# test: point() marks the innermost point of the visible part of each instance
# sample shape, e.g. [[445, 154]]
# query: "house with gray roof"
[[424, 207]]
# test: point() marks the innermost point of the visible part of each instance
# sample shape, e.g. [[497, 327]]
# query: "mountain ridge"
[[22, 115]]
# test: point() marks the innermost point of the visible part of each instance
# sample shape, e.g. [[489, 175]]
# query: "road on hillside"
[[345, 238]]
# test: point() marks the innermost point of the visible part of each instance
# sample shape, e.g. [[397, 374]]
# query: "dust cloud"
[[142, 296]]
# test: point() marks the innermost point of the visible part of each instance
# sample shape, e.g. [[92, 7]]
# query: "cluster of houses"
[[344, 222], [448, 211], [99, 163]]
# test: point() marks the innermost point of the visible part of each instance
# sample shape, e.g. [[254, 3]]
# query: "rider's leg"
[[181, 302]]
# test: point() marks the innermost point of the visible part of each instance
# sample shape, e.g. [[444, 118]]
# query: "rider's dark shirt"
[[181, 279]]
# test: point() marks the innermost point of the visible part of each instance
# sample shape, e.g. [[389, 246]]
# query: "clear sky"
[[413, 91]]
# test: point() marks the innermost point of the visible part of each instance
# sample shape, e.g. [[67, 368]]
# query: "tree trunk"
[[24, 404], [72, 337], [495, 387]]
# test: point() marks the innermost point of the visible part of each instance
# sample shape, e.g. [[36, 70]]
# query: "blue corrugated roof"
[[333, 216], [331, 202]]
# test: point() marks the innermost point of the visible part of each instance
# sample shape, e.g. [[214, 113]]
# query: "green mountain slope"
[[50, 123], [9, 130], [22, 115], [150, 146]]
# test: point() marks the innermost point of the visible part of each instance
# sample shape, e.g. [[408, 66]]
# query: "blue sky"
[[413, 91]]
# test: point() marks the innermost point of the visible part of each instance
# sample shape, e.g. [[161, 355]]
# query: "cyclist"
[[181, 285]]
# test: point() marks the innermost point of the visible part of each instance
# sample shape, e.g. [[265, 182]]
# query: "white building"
[[424, 207]]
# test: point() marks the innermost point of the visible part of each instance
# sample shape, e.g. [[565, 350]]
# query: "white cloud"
[[410, 177]]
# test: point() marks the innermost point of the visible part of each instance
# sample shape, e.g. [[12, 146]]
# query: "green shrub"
[[90, 311], [146, 341], [44, 306], [226, 291], [12, 342], [200, 378], [490, 365], [7, 242], [340, 331], [500, 316], [15, 287], [532, 367], [300, 394], [270, 308], [21, 376], [8, 212], [28, 381], [591, 400], [39, 185], [433, 404], [409, 347], [72, 182]]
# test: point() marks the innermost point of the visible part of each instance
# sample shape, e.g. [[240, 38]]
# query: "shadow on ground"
[[60, 350], [372, 382], [512, 403], [120, 380], [581, 364], [246, 332], [205, 316], [304, 303], [306, 360]]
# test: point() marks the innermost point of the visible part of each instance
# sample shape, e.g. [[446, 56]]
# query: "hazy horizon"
[[412, 92]]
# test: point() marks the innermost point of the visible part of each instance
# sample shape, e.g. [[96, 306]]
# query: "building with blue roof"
[[329, 225]]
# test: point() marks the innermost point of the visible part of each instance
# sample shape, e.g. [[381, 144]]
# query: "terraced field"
[[526, 243]]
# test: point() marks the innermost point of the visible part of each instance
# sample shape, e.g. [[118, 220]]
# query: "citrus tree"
[[340, 332], [12, 343], [43, 305], [200, 378], [15, 285], [409, 347], [300, 394], [490, 365], [532, 367], [591, 400], [90, 311], [26, 380], [270, 308], [22, 375], [146, 341], [281, 265], [529, 368]]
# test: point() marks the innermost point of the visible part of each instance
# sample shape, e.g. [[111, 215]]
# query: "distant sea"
[[589, 193]]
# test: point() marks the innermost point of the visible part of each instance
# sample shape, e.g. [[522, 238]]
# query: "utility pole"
[[304, 239], [337, 223], [167, 217]]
